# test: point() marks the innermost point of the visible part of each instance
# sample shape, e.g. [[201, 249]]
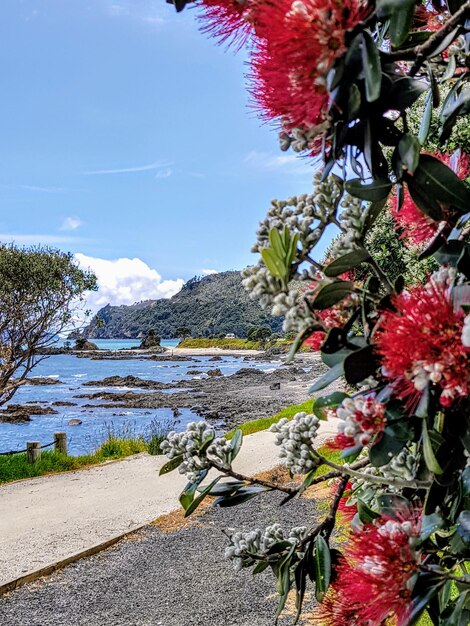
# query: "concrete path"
[[53, 518]]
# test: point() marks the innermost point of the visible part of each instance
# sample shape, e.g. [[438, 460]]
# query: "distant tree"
[[259, 333], [182, 331], [40, 289]]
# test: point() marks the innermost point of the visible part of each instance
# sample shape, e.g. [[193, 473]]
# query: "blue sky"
[[127, 134]]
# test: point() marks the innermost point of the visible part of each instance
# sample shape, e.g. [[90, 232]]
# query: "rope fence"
[[33, 448]]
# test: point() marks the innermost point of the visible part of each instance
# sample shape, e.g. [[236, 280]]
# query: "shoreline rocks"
[[16, 413], [245, 395]]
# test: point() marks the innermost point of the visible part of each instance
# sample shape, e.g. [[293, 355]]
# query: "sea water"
[[73, 371]]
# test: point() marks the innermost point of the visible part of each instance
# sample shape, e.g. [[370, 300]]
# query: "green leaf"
[[422, 599], [236, 443], [394, 506], [455, 105], [354, 102], [424, 201], [386, 447], [426, 121], [429, 456], [197, 501], [187, 495], [346, 262], [260, 567], [276, 242], [227, 488], [372, 67], [405, 91], [332, 293], [372, 192], [292, 250], [445, 43], [400, 21], [171, 465], [360, 364], [279, 546], [451, 252], [243, 495], [333, 373], [331, 401], [429, 525], [366, 514], [322, 567], [273, 263], [437, 180], [458, 617], [409, 149], [373, 213]]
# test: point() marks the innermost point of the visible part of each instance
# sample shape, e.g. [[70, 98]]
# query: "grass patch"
[[224, 344], [248, 428], [115, 446]]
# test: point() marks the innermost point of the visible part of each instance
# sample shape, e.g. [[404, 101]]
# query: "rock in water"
[[215, 372]]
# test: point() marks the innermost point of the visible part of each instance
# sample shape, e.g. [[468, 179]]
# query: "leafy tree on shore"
[[40, 289], [259, 333], [182, 332]]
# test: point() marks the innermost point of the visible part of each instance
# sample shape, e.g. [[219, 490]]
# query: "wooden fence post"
[[60, 442], [33, 451]]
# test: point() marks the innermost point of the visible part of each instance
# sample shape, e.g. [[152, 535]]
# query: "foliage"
[[344, 80], [259, 333], [223, 344], [39, 290], [205, 307]]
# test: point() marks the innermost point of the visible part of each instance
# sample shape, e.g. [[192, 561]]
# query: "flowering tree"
[[343, 80]]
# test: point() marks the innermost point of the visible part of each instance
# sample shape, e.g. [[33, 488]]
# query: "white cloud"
[[290, 164], [158, 166], [208, 272], [125, 281], [43, 189], [71, 223]]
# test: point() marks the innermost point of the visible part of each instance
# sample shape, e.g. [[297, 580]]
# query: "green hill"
[[208, 306]]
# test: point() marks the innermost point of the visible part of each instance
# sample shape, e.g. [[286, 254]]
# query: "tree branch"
[[391, 482], [422, 52]]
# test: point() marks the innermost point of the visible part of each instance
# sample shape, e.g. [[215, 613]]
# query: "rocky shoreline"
[[226, 401]]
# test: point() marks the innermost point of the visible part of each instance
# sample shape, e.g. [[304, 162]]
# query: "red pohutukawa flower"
[[420, 344], [315, 341], [298, 42], [295, 44], [375, 578], [362, 420], [227, 20], [417, 227]]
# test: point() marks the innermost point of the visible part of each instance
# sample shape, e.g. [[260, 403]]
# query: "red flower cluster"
[[374, 579], [417, 227], [421, 343], [295, 44], [362, 419]]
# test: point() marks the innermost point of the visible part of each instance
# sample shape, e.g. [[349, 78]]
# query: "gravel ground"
[[162, 579]]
